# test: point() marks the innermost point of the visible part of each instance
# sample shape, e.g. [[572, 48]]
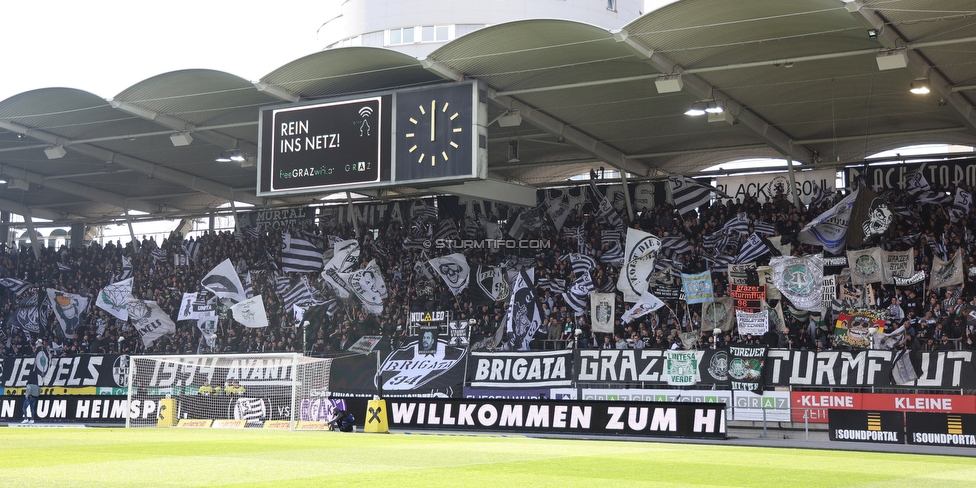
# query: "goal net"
[[236, 389]]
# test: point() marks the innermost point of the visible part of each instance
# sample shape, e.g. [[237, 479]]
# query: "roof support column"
[[132, 233], [32, 234]]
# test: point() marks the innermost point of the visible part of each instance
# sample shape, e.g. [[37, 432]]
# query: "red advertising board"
[[815, 405]]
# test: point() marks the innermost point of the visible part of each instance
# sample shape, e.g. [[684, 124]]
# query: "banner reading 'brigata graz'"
[[657, 419]]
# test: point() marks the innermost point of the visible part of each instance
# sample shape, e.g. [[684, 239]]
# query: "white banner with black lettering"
[[520, 369]]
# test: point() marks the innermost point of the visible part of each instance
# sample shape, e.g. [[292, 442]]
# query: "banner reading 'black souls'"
[[657, 419]]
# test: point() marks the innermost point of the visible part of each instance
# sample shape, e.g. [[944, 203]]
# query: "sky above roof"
[[105, 46]]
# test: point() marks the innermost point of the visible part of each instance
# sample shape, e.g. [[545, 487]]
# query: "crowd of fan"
[[935, 321]]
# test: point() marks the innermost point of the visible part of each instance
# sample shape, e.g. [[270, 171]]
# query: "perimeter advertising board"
[[655, 419]]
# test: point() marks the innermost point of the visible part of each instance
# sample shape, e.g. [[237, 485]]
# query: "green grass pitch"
[[164, 457]]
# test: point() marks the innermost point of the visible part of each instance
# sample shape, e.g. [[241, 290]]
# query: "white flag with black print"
[[866, 266], [754, 248], [646, 304], [68, 309], [558, 209], [250, 313], [602, 312], [639, 255], [208, 329], [829, 229], [369, 287], [150, 321], [114, 297], [345, 254], [946, 272], [524, 317], [224, 282], [454, 270], [960, 206]]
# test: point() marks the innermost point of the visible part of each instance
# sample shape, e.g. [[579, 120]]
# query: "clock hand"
[[433, 104]]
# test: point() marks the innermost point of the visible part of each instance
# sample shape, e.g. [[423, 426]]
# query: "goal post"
[[244, 390]]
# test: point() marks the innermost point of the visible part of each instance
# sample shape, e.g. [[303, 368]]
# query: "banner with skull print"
[[454, 270]]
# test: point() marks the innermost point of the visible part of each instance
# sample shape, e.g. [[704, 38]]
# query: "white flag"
[[250, 312], [68, 309], [114, 297], [224, 282], [646, 304], [454, 269], [149, 320], [639, 255], [369, 286]]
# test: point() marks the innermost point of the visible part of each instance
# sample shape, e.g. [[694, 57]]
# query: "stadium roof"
[[797, 78]]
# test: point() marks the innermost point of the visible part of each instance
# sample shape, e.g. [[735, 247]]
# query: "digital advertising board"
[[413, 137]]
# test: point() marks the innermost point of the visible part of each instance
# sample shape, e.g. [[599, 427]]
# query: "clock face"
[[425, 121], [434, 133]]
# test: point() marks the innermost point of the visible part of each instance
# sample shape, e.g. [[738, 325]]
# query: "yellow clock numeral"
[[413, 121], [408, 134], [454, 116], [444, 110], [433, 160], [453, 144], [457, 129], [421, 159], [422, 111], [444, 155], [412, 149]]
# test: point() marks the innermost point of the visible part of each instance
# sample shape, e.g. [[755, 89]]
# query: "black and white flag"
[[299, 254], [755, 247], [867, 266], [639, 256], [602, 312], [492, 284], [960, 205], [689, 194], [369, 286], [525, 316], [18, 287], [224, 282], [149, 320], [646, 304], [454, 270], [250, 313], [946, 272], [558, 209]]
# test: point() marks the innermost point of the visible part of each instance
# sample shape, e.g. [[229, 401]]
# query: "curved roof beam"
[[88, 192], [277, 92], [701, 89], [14, 207], [547, 123], [918, 65], [144, 167], [170, 122]]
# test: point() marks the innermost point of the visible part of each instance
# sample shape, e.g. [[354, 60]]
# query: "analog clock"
[[434, 133], [428, 144]]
